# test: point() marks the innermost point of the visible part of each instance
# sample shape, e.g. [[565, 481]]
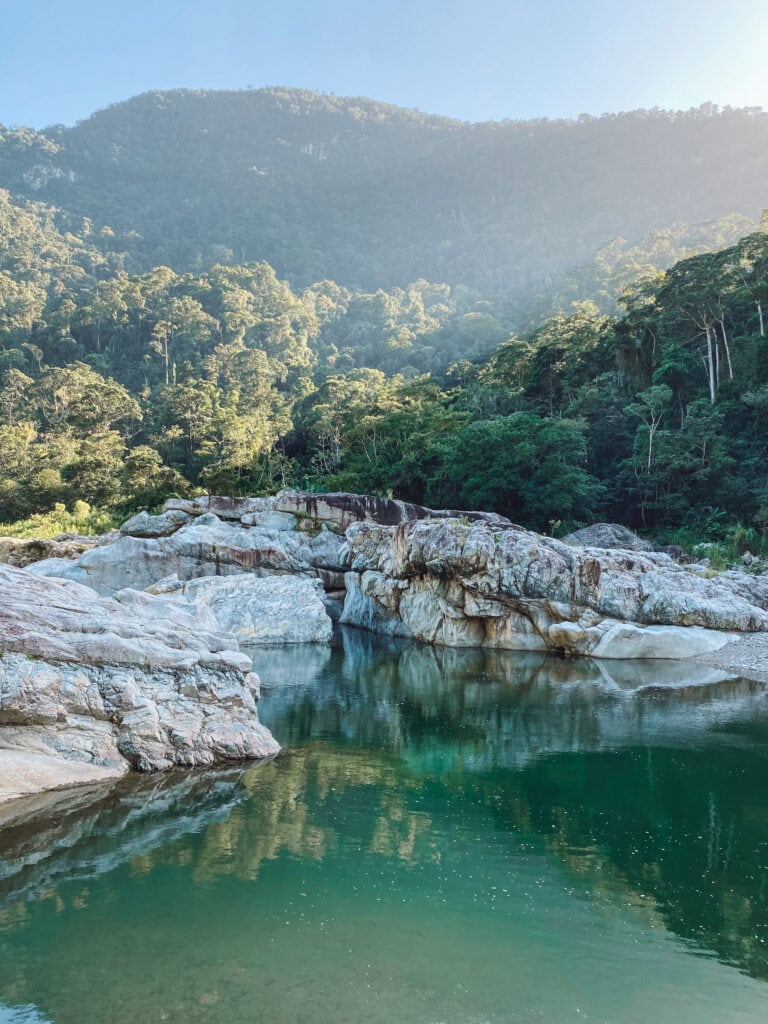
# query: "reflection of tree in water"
[[677, 836], [652, 799]]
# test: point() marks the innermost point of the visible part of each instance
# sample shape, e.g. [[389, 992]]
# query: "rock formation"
[[443, 577], [149, 674], [468, 585], [203, 546], [91, 686]]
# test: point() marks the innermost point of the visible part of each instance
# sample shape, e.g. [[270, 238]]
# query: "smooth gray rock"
[[62, 568], [145, 525], [266, 610], [612, 536], [205, 546], [270, 520]]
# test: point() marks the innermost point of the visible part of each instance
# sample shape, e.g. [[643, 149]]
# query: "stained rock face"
[[448, 582], [258, 610], [342, 509], [111, 684]]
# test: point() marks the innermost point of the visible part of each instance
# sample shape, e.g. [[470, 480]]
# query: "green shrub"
[[82, 519]]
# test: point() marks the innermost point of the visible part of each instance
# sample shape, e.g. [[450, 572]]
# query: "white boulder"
[[257, 610]]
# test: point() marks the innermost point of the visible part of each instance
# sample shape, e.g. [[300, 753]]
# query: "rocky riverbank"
[[456, 578], [126, 655]]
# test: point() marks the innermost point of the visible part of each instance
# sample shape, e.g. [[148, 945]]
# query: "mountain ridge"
[[374, 195]]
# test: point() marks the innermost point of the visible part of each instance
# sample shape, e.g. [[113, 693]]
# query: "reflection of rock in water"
[[84, 833], [650, 800], [280, 666], [642, 826], [495, 708], [21, 1015]]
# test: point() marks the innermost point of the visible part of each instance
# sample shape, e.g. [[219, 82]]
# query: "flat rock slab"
[[25, 773]]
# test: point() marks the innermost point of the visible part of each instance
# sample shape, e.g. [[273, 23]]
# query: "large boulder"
[[466, 584], [266, 610], [612, 536], [270, 520], [145, 525], [139, 682]]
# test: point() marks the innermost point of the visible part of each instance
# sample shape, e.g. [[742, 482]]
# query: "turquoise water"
[[453, 837]]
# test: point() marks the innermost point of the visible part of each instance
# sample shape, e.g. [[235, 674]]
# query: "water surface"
[[449, 836]]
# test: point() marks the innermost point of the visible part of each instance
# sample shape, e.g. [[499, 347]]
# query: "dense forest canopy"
[[239, 291]]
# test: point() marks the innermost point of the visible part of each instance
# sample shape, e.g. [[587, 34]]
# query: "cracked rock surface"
[[92, 686]]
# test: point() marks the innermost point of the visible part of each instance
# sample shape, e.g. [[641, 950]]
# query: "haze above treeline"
[[319, 255]]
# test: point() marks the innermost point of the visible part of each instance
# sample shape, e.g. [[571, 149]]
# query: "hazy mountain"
[[375, 196]]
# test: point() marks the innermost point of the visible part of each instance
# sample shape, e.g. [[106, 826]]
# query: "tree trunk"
[[710, 365], [727, 350]]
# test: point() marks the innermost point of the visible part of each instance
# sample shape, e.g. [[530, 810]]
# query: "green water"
[[453, 837]]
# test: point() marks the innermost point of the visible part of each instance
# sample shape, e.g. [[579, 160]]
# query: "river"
[[449, 837]]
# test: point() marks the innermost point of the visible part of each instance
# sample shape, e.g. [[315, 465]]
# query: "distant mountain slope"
[[372, 195]]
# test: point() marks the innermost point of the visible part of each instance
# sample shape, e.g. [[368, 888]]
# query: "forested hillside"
[[374, 196], [122, 388], [236, 292]]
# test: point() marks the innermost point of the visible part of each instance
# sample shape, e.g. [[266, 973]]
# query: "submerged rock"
[[137, 682]]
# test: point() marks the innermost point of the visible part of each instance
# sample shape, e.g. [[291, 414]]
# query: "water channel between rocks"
[[448, 836]]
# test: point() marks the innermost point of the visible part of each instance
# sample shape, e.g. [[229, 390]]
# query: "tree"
[[523, 466]]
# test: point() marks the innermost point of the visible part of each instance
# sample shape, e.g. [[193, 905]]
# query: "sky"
[[476, 60]]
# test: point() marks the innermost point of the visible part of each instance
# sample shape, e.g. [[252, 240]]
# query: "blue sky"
[[474, 59]]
